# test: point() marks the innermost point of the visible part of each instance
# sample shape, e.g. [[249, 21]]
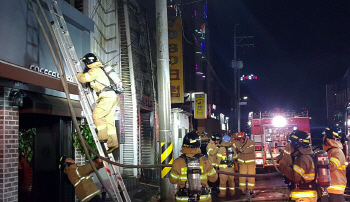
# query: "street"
[[267, 189]]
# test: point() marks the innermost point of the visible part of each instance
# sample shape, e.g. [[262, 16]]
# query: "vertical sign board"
[[175, 60], [200, 106]]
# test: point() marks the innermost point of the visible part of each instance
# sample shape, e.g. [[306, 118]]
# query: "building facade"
[[117, 32], [199, 73]]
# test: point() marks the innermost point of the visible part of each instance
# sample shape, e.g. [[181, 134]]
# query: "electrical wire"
[[182, 27]]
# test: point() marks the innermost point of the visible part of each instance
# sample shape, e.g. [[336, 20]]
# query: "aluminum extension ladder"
[[86, 96]]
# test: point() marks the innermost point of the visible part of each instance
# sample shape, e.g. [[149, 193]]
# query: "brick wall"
[[8, 148]]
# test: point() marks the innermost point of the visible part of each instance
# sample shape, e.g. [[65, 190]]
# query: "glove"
[[240, 150]]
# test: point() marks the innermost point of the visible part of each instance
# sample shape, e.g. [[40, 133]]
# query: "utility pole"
[[237, 65], [163, 76]]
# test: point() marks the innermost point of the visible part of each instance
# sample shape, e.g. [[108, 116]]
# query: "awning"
[[44, 104]]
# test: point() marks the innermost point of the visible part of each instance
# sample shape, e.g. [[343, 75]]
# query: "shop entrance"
[[51, 140]]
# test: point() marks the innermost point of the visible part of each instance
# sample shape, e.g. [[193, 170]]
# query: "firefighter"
[[225, 162], [212, 148], [103, 113], [332, 145], [233, 137], [301, 172], [79, 176], [191, 172], [246, 161]]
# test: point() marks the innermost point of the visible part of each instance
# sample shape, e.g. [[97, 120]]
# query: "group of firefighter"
[[311, 176]]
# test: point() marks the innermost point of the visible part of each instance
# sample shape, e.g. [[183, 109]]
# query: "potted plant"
[[26, 152], [26, 143], [86, 133]]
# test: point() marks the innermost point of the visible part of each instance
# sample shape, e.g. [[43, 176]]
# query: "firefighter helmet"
[[332, 133], [62, 163], [226, 138], [215, 137], [89, 58], [299, 139], [240, 135], [192, 140]]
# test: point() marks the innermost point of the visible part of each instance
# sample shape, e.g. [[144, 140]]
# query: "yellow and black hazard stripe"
[[166, 157]]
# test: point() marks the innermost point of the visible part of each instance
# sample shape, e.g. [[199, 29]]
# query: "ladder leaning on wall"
[[86, 96]]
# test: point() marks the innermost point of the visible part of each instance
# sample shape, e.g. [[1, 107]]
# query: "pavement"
[[267, 189], [145, 192]]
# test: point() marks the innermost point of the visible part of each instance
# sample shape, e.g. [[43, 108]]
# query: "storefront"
[[28, 76]]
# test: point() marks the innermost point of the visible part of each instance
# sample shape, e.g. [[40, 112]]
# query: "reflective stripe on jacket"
[[178, 173], [248, 155], [212, 150], [297, 194], [221, 155], [79, 176], [303, 168], [337, 167]]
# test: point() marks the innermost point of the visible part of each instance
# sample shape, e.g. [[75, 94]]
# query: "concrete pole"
[[163, 77]]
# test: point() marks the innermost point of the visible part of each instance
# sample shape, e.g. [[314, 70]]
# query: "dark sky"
[[300, 46]]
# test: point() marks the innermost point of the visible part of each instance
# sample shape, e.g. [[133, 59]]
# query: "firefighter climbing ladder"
[[86, 96]]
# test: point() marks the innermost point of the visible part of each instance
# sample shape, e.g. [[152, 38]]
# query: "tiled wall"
[[9, 122]]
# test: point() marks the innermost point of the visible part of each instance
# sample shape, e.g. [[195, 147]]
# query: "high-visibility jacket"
[[97, 78], [178, 173], [248, 155], [79, 176], [337, 166], [221, 155], [302, 168], [212, 150]]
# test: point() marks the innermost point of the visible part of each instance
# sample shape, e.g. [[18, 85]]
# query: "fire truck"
[[270, 132]]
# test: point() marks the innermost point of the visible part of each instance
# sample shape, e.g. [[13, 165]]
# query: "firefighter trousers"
[[103, 116], [247, 168], [336, 197], [227, 182]]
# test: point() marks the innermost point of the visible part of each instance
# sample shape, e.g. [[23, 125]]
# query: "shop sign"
[[175, 60], [48, 72], [200, 106]]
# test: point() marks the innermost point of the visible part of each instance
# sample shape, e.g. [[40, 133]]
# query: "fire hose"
[[85, 145], [273, 159], [63, 79], [170, 165]]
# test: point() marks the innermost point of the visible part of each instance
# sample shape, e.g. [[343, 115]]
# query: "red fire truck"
[[270, 131]]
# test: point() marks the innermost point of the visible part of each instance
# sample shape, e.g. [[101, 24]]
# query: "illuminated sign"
[[249, 77], [48, 72], [200, 106], [175, 60]]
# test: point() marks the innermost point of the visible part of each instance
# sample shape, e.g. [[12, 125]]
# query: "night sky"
[[300, 46]]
